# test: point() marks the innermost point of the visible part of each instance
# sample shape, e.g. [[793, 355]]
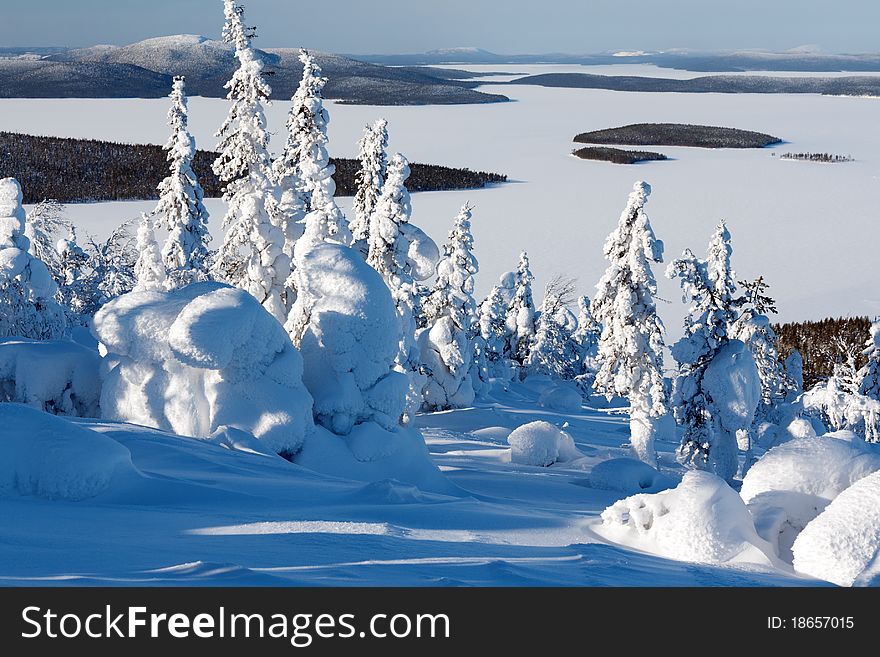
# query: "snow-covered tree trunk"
[[520, 319], [180, 210], [28, 307], [370, 178], [631, 344], [252, 256], [149, 270], [448, 349]]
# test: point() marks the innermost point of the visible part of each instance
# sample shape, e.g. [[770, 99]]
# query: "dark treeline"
[[616, 155], [824, 343], [816, 157], [678, 134], [78, 170]]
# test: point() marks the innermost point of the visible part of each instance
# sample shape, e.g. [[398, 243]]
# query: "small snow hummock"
[[792, 483], [351, 340], [701, 520], [56, 376], [541, 443], [629, 475], [50, 457], [194, 359], [842, 545], [561, 397]]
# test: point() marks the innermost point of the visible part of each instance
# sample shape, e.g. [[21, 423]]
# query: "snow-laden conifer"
[[869, 375], [631, 344], [252, 256], [370, 178], [149, 270], [520, 318], [180, 210]]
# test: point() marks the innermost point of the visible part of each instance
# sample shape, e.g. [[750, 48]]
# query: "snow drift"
[[55, 376], [49, 457], [792, 483], [842, 545], [194, 359], [540, 443], [628, 475], [701, 520], [350, 342]]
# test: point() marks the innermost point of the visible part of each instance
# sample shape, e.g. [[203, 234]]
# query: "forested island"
[[678, 134]]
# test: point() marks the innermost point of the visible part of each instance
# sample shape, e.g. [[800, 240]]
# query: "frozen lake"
[[810, 229]]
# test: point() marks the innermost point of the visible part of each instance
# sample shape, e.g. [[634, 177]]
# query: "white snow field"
[[184, 511], [791, 222]]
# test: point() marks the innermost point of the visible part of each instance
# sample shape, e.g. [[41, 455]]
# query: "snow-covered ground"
[[805, 227], [190, 512]]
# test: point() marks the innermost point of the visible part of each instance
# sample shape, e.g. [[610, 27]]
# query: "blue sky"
[[509, 26]]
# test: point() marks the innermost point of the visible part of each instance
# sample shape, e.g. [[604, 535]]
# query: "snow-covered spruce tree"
[[370, 178], [493, 331], [631, 344], [520, 318], [305, 162], [403, 255], [717, 389], [586, 337], [149, 268], [111, 266], [448, 346], [754, 329], [794, 371], [44, 226], [28, 308], [252, 255], [554, 351], [180, 210], [869, 375], [76, 293]]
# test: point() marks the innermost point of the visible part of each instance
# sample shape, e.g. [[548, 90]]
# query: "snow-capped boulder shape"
[[28, 307], [561, 397], [56, 376], [793, 482], [701, 520], [49, 457], [843, 543], [629, 475], [203, 356], [540, 443], [350, 341]]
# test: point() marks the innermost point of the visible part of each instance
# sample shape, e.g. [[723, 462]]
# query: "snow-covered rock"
[[541, 443], [842, 545], [55, 376], [351, 340], [49, 457], [561, 397], [197, 358], [629, 475], [701, 520], [792, 483], [371, 453]]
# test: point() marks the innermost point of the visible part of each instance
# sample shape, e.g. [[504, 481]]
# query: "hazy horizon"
[[402, 27]]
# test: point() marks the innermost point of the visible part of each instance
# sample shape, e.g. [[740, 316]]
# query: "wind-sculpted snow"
[[540, 443], [842, 545], [49, 457], [192, 360]]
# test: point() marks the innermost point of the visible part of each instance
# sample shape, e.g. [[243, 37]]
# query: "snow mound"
[[793, 482], [350, 342], [194, 359], [628, 475], [843, 542], [372, 454], [50, 457], [56, 376], [561, 398], [701, 520], [541, 443]]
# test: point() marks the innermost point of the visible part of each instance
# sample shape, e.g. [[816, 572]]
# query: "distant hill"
[[78, 170], [678, 134], [144, 69], [863, 85]]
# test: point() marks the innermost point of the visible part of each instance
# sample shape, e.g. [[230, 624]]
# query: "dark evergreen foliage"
[[823, 344], [617, 155]]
